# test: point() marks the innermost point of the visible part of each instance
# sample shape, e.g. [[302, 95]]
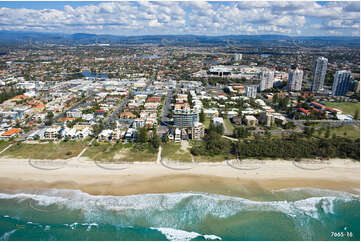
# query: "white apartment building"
[[295, 78], [251, 91], [267, 79], [319, 73], [341, 83]]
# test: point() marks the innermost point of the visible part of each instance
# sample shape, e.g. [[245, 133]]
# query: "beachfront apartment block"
[[185, 118], [52, 133]]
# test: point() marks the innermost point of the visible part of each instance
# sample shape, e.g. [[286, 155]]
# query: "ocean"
[[288, 214]]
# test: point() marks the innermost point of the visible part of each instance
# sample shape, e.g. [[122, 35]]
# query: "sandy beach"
[[138, 178]]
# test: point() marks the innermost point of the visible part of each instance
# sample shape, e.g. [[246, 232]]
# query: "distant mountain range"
[[12, 38]]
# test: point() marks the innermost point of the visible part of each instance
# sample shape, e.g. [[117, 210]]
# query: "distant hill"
[[26, 38]]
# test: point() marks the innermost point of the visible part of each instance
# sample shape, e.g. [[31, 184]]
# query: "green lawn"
[[345, 107], [101, 151], [51, 151], [173, 152], [4, 144], [120, 152], [352, 132], [227, 123]]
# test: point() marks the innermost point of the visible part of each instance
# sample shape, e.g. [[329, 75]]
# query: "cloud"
[[193, 17]]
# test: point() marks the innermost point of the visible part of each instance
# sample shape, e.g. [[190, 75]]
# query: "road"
[[116, 112], [166, 109]]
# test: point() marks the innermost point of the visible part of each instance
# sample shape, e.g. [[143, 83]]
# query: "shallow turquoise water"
[[290, 214]]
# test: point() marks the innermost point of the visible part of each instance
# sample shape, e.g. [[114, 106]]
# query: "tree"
[[306, 132], [327, 133], [275, 99], [17, 125], [240, 132], [357, 114], [267, 134], [219, 129], [49, 118], [201, 116], [312, 131], [142, 135], [155, 140], [165, 138]]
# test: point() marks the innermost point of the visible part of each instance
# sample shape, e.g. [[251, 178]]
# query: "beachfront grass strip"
[[173, 152], [50, 151], [4, 144], [345, 107], [120, 152], [100, 151], [139, 152]]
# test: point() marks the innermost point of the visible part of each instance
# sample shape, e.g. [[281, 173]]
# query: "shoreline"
[[141, 178]]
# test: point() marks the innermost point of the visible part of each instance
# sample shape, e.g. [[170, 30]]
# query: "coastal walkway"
[[7, 147], [159, 156], [85, 148]]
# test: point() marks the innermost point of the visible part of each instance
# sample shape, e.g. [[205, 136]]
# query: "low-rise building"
[[250, 120], [76, 113], [52, 133], [10, 133]]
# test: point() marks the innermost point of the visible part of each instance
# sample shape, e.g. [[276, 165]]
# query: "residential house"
[[10, 133], [127, 115]]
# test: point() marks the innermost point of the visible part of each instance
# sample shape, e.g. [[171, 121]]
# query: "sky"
[[294, 18]]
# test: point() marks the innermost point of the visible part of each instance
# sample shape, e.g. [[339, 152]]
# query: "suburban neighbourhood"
[[140, 99]]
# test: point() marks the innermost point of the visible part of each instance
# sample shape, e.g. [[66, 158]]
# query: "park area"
[[346, 107]]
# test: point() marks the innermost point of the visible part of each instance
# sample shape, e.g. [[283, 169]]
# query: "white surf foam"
[[6, 235], [317, 192], [168, 210], [181, 235]]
